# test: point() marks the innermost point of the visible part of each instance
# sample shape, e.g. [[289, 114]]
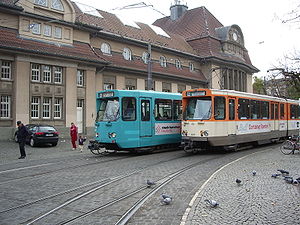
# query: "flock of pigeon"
[[166, 199], [283, 173]]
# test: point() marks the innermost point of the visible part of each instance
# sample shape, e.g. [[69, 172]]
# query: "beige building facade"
[[55, 56]]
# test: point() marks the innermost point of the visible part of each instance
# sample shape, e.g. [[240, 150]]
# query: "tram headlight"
[[97, 134], [203, 133], [112, 135]]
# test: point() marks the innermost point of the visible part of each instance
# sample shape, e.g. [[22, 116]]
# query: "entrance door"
[[275, 115], [146, 128], [80, 115], [231, 117]]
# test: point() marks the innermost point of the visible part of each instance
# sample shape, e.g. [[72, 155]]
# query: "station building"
[[56, 54]]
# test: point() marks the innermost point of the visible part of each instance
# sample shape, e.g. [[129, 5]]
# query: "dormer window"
[[177, 64], [191, 66], [56, 4], [127, 54], [145, 57], [163, 61], [41, 2], [105, 48]]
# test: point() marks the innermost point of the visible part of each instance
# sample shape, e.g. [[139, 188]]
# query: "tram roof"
[[140, 93]]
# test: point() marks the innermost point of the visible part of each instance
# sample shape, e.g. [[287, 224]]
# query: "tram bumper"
[[194, 144], [94, 145]]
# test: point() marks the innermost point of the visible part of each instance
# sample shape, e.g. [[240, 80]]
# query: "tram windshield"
[[108, 110], [198, 109]]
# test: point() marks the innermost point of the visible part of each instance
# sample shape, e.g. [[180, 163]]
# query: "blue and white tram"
[[134, 120]]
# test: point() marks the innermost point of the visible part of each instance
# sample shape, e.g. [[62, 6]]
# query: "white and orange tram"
[[229, 119]]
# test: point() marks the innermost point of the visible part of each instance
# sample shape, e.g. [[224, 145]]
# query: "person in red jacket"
[[73, 134]]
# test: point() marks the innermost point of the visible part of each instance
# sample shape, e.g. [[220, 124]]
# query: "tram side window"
[[145, 110], [163, 109], [264, 110], [243, 110], [294, 109], [281, 111], [219, 104], [128, 109], [255, 109], [177, 110], [231, 109]]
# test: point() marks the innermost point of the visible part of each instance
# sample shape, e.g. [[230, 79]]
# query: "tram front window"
[[198, 109], [108, 110]]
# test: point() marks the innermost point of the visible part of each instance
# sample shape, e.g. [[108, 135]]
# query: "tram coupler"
[[94, 145]]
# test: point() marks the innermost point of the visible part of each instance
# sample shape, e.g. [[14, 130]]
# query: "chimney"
[[177, 10]]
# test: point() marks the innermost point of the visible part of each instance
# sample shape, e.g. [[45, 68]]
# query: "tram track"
[[160, 183]]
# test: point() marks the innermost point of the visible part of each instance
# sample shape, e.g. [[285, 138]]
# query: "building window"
[[181, 88], [163, 61], [47, 30], [145, 57], [35, 72], [130, 84], [57, 32], [6, 70], [41, 2], [166, 87], [105, 48], [80, 75], [46, 108], [58, 75], [35, 107], [56, 4], [5, 106], [57, 111], [127, 54], [36, 28], [108, 86], [177, 64], [192, 67], [47, 74]]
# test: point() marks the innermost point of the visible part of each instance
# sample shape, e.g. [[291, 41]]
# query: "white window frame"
[[80, 78], [57, 110], [46, 108], [57, 4], [5, 106], [46, 74], [35, 72], [58, 75], [191, 66], [36, 28], [47, 30], [41, 2], [57, 32], [163, 61], [108, 86], [127, 54], [6, 70], [35, 107], [105, 48], [177, 64]]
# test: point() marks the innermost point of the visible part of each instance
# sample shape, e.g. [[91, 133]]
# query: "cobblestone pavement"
[[259, 200]]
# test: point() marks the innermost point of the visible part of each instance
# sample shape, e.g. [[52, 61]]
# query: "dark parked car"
[[40, 134]]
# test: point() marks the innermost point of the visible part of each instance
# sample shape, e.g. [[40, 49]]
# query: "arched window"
[[105, 48], [127, 54], [191, 66], [163, 61], [41, 2], [56, 4], [145, 57], [177, 64]]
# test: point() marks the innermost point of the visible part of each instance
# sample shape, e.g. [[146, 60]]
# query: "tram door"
[[146, 128], [231, 117], [275, 115]]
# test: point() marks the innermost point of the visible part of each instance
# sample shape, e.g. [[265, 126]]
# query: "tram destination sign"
[[196, 93], [106, 94]]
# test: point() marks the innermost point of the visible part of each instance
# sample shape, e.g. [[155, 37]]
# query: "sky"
[[267, 39]]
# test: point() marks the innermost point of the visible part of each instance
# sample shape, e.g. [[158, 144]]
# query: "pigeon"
[[275, 175], [238, 181], [288, 180], [150, 183], [211, 203], [165, 196], [253, 172], [284, 172], [296, 182], [166, 201]]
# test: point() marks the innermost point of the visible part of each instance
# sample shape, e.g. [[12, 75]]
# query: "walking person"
[[73, 134], [81, 141], [21, 135]]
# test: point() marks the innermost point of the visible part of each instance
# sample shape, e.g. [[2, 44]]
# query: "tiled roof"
[[198, 27], [112, 24], [10, 40], [137, 63]]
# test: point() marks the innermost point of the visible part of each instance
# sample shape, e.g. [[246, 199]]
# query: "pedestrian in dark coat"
[[73, 134], [21, 135]]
